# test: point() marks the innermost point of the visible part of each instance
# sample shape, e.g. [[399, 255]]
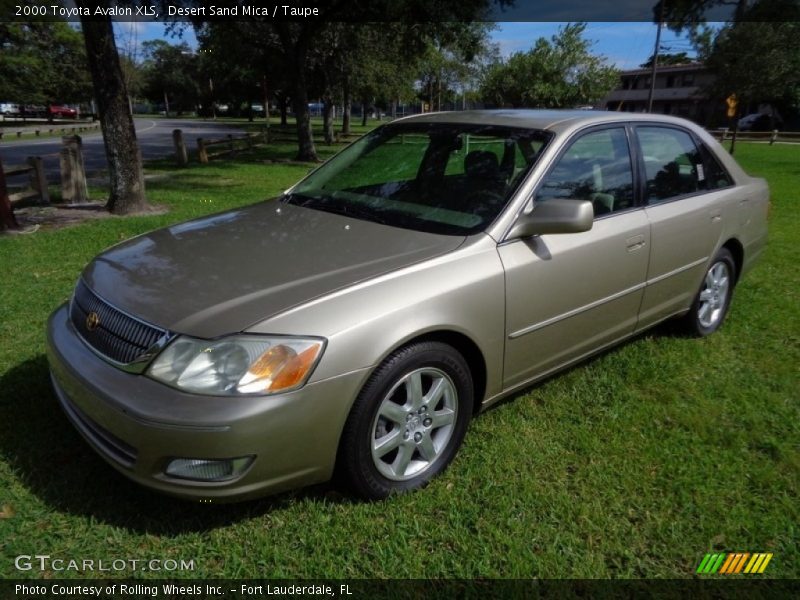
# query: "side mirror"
[[557, 215]]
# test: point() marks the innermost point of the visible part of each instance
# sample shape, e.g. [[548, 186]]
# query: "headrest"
[[483, 164]]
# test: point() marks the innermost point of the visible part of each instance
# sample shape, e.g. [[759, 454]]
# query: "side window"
[[672, 163], [595, 167], [716, 176]]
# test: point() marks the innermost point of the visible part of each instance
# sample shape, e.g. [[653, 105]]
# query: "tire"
[[408, 422], [713, 299]]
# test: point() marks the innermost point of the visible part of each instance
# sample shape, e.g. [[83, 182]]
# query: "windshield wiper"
[[352, 210], [334, 205]]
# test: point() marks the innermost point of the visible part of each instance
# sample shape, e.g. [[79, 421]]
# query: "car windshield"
[[449, 178]]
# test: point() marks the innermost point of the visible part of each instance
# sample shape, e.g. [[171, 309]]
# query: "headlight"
[[242, 364]]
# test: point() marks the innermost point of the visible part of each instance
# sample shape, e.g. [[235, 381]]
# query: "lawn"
[[634, 464]]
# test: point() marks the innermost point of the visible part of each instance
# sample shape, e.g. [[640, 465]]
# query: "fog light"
[[201, 469]]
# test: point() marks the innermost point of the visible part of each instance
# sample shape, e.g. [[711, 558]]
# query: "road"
[[154, 135]]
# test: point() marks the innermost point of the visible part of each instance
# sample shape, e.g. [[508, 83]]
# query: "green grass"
[[634, 464]]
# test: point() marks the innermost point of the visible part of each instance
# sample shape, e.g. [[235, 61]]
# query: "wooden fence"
[[229, 145], [37, 184], [758, 136]]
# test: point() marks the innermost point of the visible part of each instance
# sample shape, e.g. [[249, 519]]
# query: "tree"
[[451, 58], [755, 55], [171, 75], [677, 58], [561, 72], [42, 62], [302, 46], [119, 136], [759, 62]]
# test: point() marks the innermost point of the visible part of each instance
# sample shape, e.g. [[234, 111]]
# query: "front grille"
[[117, 336]]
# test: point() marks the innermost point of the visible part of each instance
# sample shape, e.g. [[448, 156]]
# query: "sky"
[[625, 44]]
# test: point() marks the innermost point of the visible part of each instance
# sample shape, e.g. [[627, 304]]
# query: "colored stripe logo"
[[734, 562]]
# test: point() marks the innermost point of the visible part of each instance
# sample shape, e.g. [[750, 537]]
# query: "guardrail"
[[49, 128]]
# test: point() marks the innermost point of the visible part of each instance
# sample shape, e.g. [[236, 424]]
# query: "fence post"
[[67, 176], [180, 148], [73, 174], [202, 155], [774, 137], [7, 218], [38, 181]]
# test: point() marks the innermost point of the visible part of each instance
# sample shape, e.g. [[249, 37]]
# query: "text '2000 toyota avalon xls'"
[[357, 323]]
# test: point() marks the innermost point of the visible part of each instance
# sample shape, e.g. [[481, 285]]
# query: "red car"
[[62, 112]]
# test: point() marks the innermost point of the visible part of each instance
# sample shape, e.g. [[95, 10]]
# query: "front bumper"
[[138, 425]]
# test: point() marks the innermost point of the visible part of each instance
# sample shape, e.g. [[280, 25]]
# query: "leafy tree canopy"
[[556, 73], [677, 58], [171, 71], [42, 62]]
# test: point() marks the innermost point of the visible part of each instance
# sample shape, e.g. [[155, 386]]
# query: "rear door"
[[686, 216]]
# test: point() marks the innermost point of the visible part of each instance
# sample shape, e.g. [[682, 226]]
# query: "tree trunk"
[[364, 109], [295, 50], [266, 100], [305, 139], [346, 105], [439, 82], [7, 218], [119, 135], [327, 119], [283, 103]]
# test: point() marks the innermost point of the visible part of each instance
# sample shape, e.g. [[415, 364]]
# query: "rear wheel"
[[714, 297], [408, 422]]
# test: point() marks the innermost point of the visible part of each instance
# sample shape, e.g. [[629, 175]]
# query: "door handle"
[[635, 243], [716, 215]]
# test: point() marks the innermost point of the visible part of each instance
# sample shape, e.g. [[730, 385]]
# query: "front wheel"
[[714, 297], [408, 421]]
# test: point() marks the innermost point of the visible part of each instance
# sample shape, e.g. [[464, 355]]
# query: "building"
[[680, 90]]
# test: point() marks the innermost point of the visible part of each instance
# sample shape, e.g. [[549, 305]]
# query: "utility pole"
[[655, 58]]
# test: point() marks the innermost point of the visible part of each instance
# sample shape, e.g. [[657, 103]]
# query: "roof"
[[685, 67], [553, 120]]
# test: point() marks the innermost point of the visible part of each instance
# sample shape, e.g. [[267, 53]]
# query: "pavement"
[[154, 137]]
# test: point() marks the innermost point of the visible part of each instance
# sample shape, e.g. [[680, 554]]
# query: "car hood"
[[223, 273]]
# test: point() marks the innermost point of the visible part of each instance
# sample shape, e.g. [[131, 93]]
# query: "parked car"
[[358, 322], [759, 122], [58, 111], [33, 111], [9, 109]]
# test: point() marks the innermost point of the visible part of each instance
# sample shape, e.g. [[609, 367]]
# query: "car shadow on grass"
[[55, 464]]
